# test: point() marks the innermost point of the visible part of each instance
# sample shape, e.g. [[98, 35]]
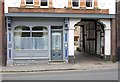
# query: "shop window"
[[37, 34], [89, 3], [22, 38], [44, 3], [29, 2], [75, 3], [34, 39], [39, 38]]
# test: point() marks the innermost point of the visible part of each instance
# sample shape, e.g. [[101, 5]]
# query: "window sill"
[[29, 6], [75, 7], [89, 8], [44, 7]]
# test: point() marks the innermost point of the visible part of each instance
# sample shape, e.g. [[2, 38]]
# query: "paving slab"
[[82, 62]]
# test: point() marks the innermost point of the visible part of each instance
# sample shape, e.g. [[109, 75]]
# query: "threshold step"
[[57, 62]]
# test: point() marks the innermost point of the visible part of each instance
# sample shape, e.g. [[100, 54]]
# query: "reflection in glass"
[[56, 41]]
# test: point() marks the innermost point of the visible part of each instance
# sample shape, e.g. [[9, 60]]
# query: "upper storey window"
[[29, 2], [89, 4], [75, 3], [44, 3]]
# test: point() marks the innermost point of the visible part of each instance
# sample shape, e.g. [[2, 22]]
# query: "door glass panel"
[[56, 41]]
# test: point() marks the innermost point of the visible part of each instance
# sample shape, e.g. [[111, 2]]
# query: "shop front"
[[36, 40]]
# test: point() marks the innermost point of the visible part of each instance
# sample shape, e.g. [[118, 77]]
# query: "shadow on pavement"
[[84, 58]]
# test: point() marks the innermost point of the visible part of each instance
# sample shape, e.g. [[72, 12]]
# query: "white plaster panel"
[[106, 22], [107, 36], [72, 22], [11, 3], [107, 4], [60, 3], [107, 42], [71, 43]]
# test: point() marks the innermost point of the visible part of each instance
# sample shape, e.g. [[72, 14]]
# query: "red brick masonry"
[[2, 55], [58, 10]]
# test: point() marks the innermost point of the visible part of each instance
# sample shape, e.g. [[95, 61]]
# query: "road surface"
[[111, 74]]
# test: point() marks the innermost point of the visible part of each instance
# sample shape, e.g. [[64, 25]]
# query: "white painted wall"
[[72, 22], [102, 4], [107, 4], [60, 3], [11, 3], [71, 43], [107, 41], [107, 36]]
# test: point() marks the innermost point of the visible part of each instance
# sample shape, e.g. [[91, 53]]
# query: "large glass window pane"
[[25, 43], [56, 41], [22, 38], [39, 43], [39, 38]]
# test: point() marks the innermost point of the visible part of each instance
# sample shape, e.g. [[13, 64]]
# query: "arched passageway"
[[89, 40]]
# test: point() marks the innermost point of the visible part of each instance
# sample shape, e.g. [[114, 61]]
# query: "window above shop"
[[75, 3], [29, 2], [89, 4], [44, 3]]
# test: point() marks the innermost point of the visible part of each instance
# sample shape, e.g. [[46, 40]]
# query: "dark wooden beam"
[[2, 51]]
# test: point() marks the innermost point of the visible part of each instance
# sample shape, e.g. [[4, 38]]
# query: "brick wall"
[[82, 3], [118, 30], [113, 40], [82, 10], [2, 55], [59, 10], [118, 38]]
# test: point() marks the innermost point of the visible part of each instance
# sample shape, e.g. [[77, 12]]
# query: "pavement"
[[83, 62]]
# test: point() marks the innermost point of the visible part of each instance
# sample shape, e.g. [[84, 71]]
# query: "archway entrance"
[[89, 39]]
